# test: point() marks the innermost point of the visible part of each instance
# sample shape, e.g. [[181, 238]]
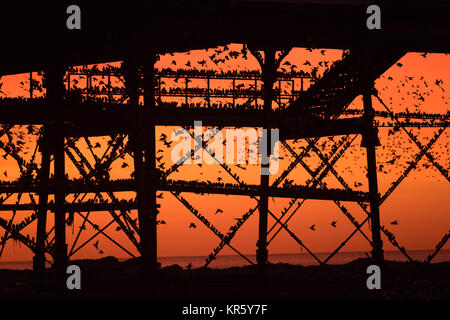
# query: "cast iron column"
[[41, 232], [268, 79]]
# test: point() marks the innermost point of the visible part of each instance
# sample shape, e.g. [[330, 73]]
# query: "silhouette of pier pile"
[[311, 113]]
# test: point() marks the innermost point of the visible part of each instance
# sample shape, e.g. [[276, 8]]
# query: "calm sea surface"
[[303, 259]]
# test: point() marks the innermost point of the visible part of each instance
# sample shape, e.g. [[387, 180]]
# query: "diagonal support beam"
[[443, 171]]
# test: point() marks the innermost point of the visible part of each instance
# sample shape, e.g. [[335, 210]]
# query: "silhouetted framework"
[[319, 106], [108, 92], [129, 114]]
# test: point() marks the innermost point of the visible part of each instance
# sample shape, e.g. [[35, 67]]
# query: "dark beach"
[[108, 278]]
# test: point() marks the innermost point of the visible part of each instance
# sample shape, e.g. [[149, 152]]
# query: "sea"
[[304, 259]]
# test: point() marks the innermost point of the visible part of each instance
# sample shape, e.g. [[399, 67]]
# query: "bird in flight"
[[391, 161], [219, 211], [313, 227], [395, 222], [333, 224], [192, 225]]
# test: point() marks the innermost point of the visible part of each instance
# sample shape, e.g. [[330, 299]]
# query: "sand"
[[108, 278]]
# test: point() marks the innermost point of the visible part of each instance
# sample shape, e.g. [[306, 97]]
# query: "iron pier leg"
[[268, 78], [54, 82], [262, 252], [370, 141], [60, 210], [139, 177], [39, 258], [143, 141], [150, 177]]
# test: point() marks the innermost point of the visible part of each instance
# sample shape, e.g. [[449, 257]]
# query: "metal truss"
[[328, 98]]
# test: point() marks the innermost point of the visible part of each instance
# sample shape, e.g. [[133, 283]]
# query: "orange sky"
[[420, 203]]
